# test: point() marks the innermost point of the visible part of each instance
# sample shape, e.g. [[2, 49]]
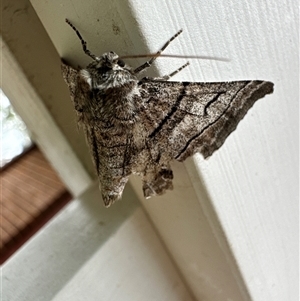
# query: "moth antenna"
[[158, 53], [155, 55], [83, 42]]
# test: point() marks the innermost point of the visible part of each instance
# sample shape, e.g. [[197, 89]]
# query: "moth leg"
[[112, 189], [156, 183], [150, 62], [166, 77]]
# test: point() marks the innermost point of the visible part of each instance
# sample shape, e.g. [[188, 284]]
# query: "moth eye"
[[121, 63]]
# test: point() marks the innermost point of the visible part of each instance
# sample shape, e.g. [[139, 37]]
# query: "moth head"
[[111, 61], [108, 71]]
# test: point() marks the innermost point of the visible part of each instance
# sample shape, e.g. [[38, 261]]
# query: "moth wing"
[[185, 118], [70, 76], [79, 92]]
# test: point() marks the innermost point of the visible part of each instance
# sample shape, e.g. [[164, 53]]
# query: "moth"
[[138, 126]]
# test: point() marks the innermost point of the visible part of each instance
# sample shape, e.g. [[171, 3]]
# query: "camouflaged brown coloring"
[[139, 126]]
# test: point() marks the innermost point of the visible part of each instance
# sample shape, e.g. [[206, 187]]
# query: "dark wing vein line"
[[210, 124], [172, 111], [212, 101]]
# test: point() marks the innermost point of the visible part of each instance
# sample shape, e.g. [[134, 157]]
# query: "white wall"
[[90, 253], [253, 180]]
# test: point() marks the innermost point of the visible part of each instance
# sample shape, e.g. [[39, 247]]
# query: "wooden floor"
[[31, 193]]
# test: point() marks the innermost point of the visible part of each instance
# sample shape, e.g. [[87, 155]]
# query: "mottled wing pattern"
[[185, 118], [70, 77], [79, 92]]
